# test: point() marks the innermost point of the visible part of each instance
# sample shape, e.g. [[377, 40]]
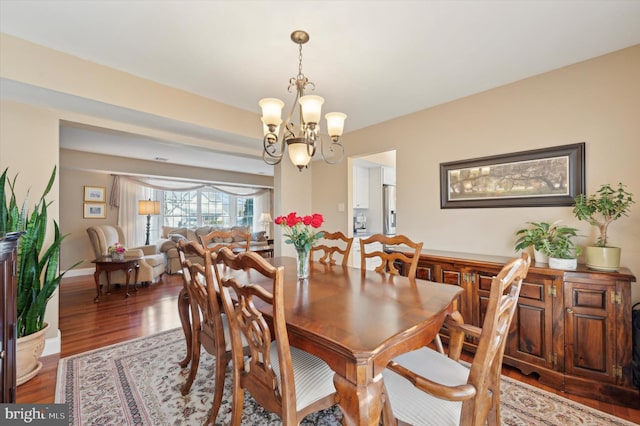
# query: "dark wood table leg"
[[96, 277], [135, 276]]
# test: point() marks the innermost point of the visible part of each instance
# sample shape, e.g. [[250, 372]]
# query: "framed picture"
[[95, 194], [538, 178], [95, 210]]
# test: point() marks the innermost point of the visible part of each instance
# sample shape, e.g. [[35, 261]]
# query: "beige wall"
[[29, 147], [596, 102]]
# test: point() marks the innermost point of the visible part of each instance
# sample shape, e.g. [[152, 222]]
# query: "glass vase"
[[302, 260]]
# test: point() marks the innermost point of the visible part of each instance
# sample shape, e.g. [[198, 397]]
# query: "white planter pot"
[[602, 258], [28, 352], [540, 257], [566, 264]]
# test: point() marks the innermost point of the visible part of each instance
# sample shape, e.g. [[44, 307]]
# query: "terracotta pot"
[[602, 258], [28, 352]]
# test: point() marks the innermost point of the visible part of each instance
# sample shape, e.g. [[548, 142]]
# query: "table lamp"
[[265, 219], [148, 207]]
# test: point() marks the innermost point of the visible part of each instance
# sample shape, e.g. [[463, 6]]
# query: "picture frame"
[[538, 178], [95, 210], [95, 194]]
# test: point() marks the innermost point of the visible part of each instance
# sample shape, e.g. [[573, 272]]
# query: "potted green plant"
[[600, 209], [534, 236], [37, 271], [562, 252]]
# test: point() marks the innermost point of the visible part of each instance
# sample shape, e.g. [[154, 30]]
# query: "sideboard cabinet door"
[[589, 320]]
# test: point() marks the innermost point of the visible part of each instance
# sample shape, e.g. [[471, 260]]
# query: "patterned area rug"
[[138, 383]]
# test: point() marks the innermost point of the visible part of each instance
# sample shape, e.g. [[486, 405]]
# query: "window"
[[206, 207]]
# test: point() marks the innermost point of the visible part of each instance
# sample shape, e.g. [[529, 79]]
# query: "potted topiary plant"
[[534, 236], [562, 252], [37, 272], [600, 209]]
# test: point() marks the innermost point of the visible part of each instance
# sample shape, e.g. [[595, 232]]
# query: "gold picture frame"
[[95, 210], [95, 194]]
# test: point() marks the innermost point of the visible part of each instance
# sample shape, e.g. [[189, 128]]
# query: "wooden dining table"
[[357, 321]]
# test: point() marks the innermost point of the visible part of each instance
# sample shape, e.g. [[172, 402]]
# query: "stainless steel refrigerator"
[[389, 209]]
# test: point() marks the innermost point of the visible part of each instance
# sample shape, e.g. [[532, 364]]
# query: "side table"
[[107, 264]]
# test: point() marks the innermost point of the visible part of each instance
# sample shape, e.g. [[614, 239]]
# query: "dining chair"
[[285, 380], [427, 387], [370, 248], [235, 239], [341, 245], [208, 327]]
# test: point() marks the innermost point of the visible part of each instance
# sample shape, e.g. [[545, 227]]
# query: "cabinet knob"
[[569, 310]]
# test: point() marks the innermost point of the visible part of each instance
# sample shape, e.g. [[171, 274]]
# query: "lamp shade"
[[271, 111], [311, 108], [298, 154], [146, 207], [265, 218], [335, 123]]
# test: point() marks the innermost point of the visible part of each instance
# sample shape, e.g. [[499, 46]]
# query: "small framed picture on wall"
[[95, 210], [95, 194]]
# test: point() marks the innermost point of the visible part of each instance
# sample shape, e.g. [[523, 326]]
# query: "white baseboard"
[[52, 345], [79, 272]]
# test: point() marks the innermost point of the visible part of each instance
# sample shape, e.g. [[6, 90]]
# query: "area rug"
[[138, 383]]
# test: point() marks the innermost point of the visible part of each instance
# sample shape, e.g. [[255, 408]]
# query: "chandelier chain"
[[300, 75]]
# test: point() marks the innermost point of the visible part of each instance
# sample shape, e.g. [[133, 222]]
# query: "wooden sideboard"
[[572, 328], [8, 320]]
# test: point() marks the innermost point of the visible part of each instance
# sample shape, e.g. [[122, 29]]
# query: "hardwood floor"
[[85, 325]]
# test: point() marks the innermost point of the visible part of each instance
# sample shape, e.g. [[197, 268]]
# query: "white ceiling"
[[373, 60]]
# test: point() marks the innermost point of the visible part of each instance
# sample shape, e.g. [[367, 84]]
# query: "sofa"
[[170, 237], [152, 264]]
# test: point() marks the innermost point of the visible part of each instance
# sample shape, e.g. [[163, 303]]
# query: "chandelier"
[[303, 144]]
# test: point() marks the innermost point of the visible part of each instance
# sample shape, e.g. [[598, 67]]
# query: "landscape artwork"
[[532, 178]]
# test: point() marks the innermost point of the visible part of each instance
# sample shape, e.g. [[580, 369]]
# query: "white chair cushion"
[[416, 407], [312, 376]]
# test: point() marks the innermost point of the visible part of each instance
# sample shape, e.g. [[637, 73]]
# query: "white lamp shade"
[[298, 154], [311, 108], [265, 218], [335, 123], [271, 111], [146, 207]]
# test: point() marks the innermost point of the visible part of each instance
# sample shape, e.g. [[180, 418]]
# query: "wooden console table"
[[107, 264], [572, 328]]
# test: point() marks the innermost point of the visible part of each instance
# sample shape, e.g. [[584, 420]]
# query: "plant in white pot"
[[534, 236], [37, 271], [562, 252], [600, 209]]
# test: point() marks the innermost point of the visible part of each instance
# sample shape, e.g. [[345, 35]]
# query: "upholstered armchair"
[[152, 264]]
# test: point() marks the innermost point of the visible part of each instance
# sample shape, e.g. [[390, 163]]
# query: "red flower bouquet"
[[300, 230]]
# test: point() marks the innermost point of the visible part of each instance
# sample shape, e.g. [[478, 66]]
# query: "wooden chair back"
[[478, 388], [387, 259], [276, 392], [341, 245], [235, 239], [206, 321], [487, 362]]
